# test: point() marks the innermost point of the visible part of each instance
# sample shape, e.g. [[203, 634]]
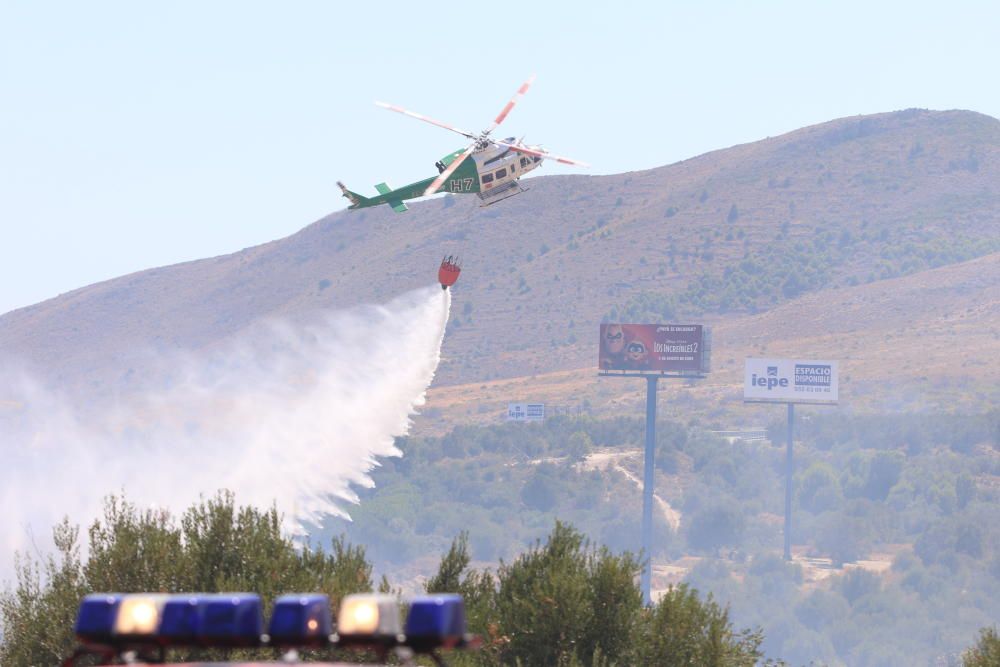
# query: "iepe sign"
[[790, 381], [525, 412]]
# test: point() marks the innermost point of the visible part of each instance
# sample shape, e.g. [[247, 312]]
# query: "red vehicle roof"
[[250, 664]]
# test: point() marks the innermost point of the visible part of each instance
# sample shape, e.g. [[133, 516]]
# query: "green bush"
[[217, 546], [986, 651]]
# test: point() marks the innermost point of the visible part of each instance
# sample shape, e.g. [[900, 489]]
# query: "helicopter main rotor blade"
[[446, 174], [510, 105], [426, 119], [542, 154]]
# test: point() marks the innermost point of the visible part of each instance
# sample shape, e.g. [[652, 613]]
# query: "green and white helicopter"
[[492, 173]]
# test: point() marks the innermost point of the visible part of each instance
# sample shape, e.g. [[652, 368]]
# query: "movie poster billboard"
[[790, 381], [652, 348]]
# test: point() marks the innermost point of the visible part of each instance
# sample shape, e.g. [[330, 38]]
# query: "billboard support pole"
[[788, 484], [790, 381], [653, 351], [647, 490]]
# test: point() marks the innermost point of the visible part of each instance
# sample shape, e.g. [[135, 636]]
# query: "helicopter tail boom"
[[357, 201], [394, 198]]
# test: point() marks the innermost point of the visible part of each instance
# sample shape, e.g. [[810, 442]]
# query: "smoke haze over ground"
[[292, 413]]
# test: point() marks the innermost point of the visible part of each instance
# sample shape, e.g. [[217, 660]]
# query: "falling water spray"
[[294, 413]]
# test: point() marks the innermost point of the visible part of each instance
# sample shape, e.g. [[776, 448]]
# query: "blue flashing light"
[[180, 622], [232, 618], [95, 620], [436, 620], [300, 619], [225, 619]]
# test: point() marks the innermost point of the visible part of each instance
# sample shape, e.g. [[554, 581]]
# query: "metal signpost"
[[653, 351], [790, 381]]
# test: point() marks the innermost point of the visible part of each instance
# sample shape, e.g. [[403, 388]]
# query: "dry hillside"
[[847, 239], [923, 341]]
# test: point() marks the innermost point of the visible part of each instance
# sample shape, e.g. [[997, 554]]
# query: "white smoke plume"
[[288, 413]]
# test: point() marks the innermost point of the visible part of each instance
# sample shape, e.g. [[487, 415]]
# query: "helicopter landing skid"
[[507, 193]]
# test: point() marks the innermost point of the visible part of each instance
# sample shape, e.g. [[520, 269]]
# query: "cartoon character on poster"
[[637, 349], [612, 346]]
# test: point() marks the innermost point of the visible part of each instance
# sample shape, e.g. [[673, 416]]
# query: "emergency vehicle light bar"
[[226, 619], [113, 623]]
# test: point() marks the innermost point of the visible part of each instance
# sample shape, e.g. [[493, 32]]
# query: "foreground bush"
[[986, 651], [563, 602], [217, 547], [566, 602]]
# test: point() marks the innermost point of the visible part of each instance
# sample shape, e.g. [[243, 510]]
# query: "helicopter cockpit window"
[[487, 178], [535, 158], [501, 173], [524, 162]]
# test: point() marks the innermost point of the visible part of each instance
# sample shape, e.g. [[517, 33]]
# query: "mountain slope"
[[723, 235], [925, 341]]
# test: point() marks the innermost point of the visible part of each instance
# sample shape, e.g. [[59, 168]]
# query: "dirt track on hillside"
[[612, 458]]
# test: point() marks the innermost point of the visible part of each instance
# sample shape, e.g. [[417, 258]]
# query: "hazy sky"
[[138, 134]]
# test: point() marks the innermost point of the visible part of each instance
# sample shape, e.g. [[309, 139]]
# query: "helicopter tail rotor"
[[353, 197]]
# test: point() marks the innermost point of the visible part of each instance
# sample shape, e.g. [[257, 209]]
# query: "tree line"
[[564, 601]]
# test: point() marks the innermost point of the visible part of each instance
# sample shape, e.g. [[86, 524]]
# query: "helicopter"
[[493, 172]]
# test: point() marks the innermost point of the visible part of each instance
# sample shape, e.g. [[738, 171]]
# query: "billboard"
[[654, 348], [525, 412], [790, 381]]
